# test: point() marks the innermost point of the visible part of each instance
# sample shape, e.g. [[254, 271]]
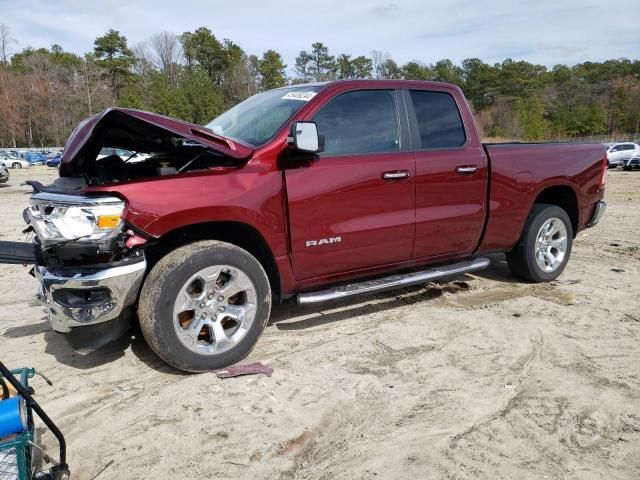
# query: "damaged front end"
[[89, 259], [88, 273]]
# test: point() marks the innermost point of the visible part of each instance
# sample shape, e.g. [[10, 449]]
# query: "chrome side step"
[[394, 281]]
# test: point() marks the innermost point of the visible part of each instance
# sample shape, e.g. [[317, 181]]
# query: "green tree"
[[113, 54], [520, 79], [348, 68], [417, 71], [203, 48], [302, 66], [316, 65], [203, 102], [272, 70], [322, 64], [362, 67], [390, 69], [530, 113], [344, 67], [478, 82], [446, 71]]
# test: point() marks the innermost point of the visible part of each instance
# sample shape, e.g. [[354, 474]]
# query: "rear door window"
[[359, 122], [438, 120]]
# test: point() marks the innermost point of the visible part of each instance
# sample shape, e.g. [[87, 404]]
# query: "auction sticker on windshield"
[[304, 96]]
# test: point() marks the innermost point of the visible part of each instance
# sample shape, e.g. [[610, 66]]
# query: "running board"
[[394, 281]]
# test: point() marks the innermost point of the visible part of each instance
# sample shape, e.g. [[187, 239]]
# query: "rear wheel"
[[204, 305], [16, 165], [545, 245]]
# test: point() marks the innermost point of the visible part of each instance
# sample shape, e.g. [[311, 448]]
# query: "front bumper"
[[83, 297], [631, 163], [598, 212]]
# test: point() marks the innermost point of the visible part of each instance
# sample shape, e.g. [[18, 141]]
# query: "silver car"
[[12, 161], [631, 163], [4, 173], [618, 153]]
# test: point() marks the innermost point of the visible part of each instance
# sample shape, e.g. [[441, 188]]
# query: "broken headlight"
[[60, 218]]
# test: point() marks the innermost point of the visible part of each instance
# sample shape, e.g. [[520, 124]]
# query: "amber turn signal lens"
[[108, 221]]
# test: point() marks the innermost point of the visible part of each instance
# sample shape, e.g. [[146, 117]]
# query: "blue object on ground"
[[12, 416]]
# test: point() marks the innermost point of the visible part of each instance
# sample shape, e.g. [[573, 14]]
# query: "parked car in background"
[[4, 173], [13, 161], [54, 161], [617, 153], [36, 158], [631, 163]]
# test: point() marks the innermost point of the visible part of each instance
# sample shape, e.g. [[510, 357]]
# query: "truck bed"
[[522, 172]]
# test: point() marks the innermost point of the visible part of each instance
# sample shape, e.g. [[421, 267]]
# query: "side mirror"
[[304, 137]]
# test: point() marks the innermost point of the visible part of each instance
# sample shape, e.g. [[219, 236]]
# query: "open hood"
[[138, 131]]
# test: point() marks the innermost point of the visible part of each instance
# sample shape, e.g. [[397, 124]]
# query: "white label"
[[303, 96]]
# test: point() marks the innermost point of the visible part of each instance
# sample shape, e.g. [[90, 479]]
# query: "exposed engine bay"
[[181, 158], [153, 145], [75, 226]]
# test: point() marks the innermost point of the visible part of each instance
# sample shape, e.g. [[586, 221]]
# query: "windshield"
[[258, 118]]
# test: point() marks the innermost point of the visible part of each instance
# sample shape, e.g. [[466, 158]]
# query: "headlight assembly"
[[66, 218]]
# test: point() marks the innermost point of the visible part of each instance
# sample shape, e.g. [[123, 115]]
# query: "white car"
[[617, 153], [14, 162]]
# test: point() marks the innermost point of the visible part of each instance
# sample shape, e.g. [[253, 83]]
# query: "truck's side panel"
[[371, 221], [521, 172], [364, 177], [451, 173]]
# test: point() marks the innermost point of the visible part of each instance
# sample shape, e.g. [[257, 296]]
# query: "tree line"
[[46, 92]]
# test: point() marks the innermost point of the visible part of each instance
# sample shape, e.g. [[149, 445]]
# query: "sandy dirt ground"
[[482, 377]]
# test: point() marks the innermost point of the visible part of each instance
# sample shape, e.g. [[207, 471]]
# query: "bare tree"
[[144, 59], [5, 42], [166, 51]]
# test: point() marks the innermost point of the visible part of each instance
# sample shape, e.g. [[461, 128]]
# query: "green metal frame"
[[22, 443]]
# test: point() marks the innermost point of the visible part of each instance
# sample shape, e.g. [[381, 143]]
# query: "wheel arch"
[[236, 233], [562, 196]]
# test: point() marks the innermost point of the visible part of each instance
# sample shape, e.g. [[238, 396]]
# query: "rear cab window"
[[359, 122], [438, 120]]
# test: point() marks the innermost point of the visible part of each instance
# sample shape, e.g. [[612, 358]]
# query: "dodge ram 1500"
[[318, 191]]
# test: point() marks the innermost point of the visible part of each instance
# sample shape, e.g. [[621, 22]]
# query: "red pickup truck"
[[318, 191]]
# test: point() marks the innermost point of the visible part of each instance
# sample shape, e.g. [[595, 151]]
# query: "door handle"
[[467, 169], [395, 175]]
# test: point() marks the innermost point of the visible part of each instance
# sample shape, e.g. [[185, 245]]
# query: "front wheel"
[[204, 305], [17, 165], [545, 245]]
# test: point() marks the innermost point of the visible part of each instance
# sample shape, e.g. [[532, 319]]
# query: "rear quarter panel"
[[520, 172]]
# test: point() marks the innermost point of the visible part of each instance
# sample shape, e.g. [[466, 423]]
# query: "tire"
[[184, 290], [626, 169], [523, 259], [16, 165]]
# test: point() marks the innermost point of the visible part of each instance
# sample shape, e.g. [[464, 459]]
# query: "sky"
[[547, 32]]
